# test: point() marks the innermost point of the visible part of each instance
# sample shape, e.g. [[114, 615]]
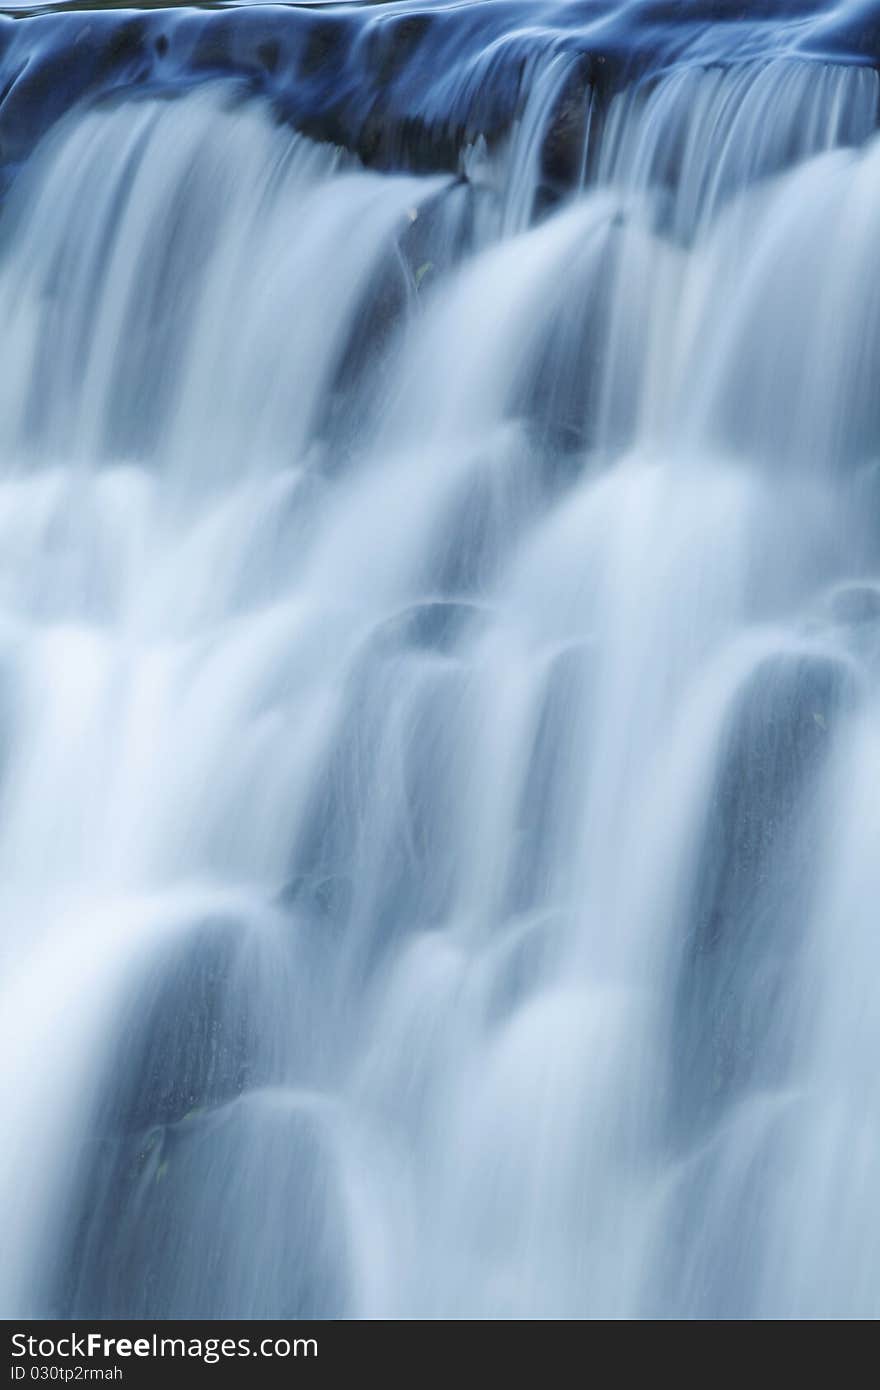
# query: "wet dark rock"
[[553, 786], [442, 231], [384, 810], [560, 389], [413, 873], [527, 958], [391, 42], [234, 1213], [213, 51], [326, 845], [432, 626], [321, 897], [709, 1261], [399, 88], [856, 604], [760, 848], [563, 152], [378, 317], [547, 200], [192, 1033], [269, 54], [125, 45], [196, 1145], [323, 47], [482, 525]]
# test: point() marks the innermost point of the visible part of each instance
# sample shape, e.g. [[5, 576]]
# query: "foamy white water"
[[439, 648]]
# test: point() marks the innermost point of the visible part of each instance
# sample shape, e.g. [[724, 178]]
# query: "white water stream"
[[440, 740]]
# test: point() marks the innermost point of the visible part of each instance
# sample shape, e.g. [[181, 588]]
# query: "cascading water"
[[439, 643]]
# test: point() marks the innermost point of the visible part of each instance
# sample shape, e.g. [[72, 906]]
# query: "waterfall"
[[439, 640]]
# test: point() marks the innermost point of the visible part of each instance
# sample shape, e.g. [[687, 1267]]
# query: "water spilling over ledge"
[[403, 85], [439, 654]]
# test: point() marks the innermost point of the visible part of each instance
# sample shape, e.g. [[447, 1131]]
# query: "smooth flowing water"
[[439, 645]]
